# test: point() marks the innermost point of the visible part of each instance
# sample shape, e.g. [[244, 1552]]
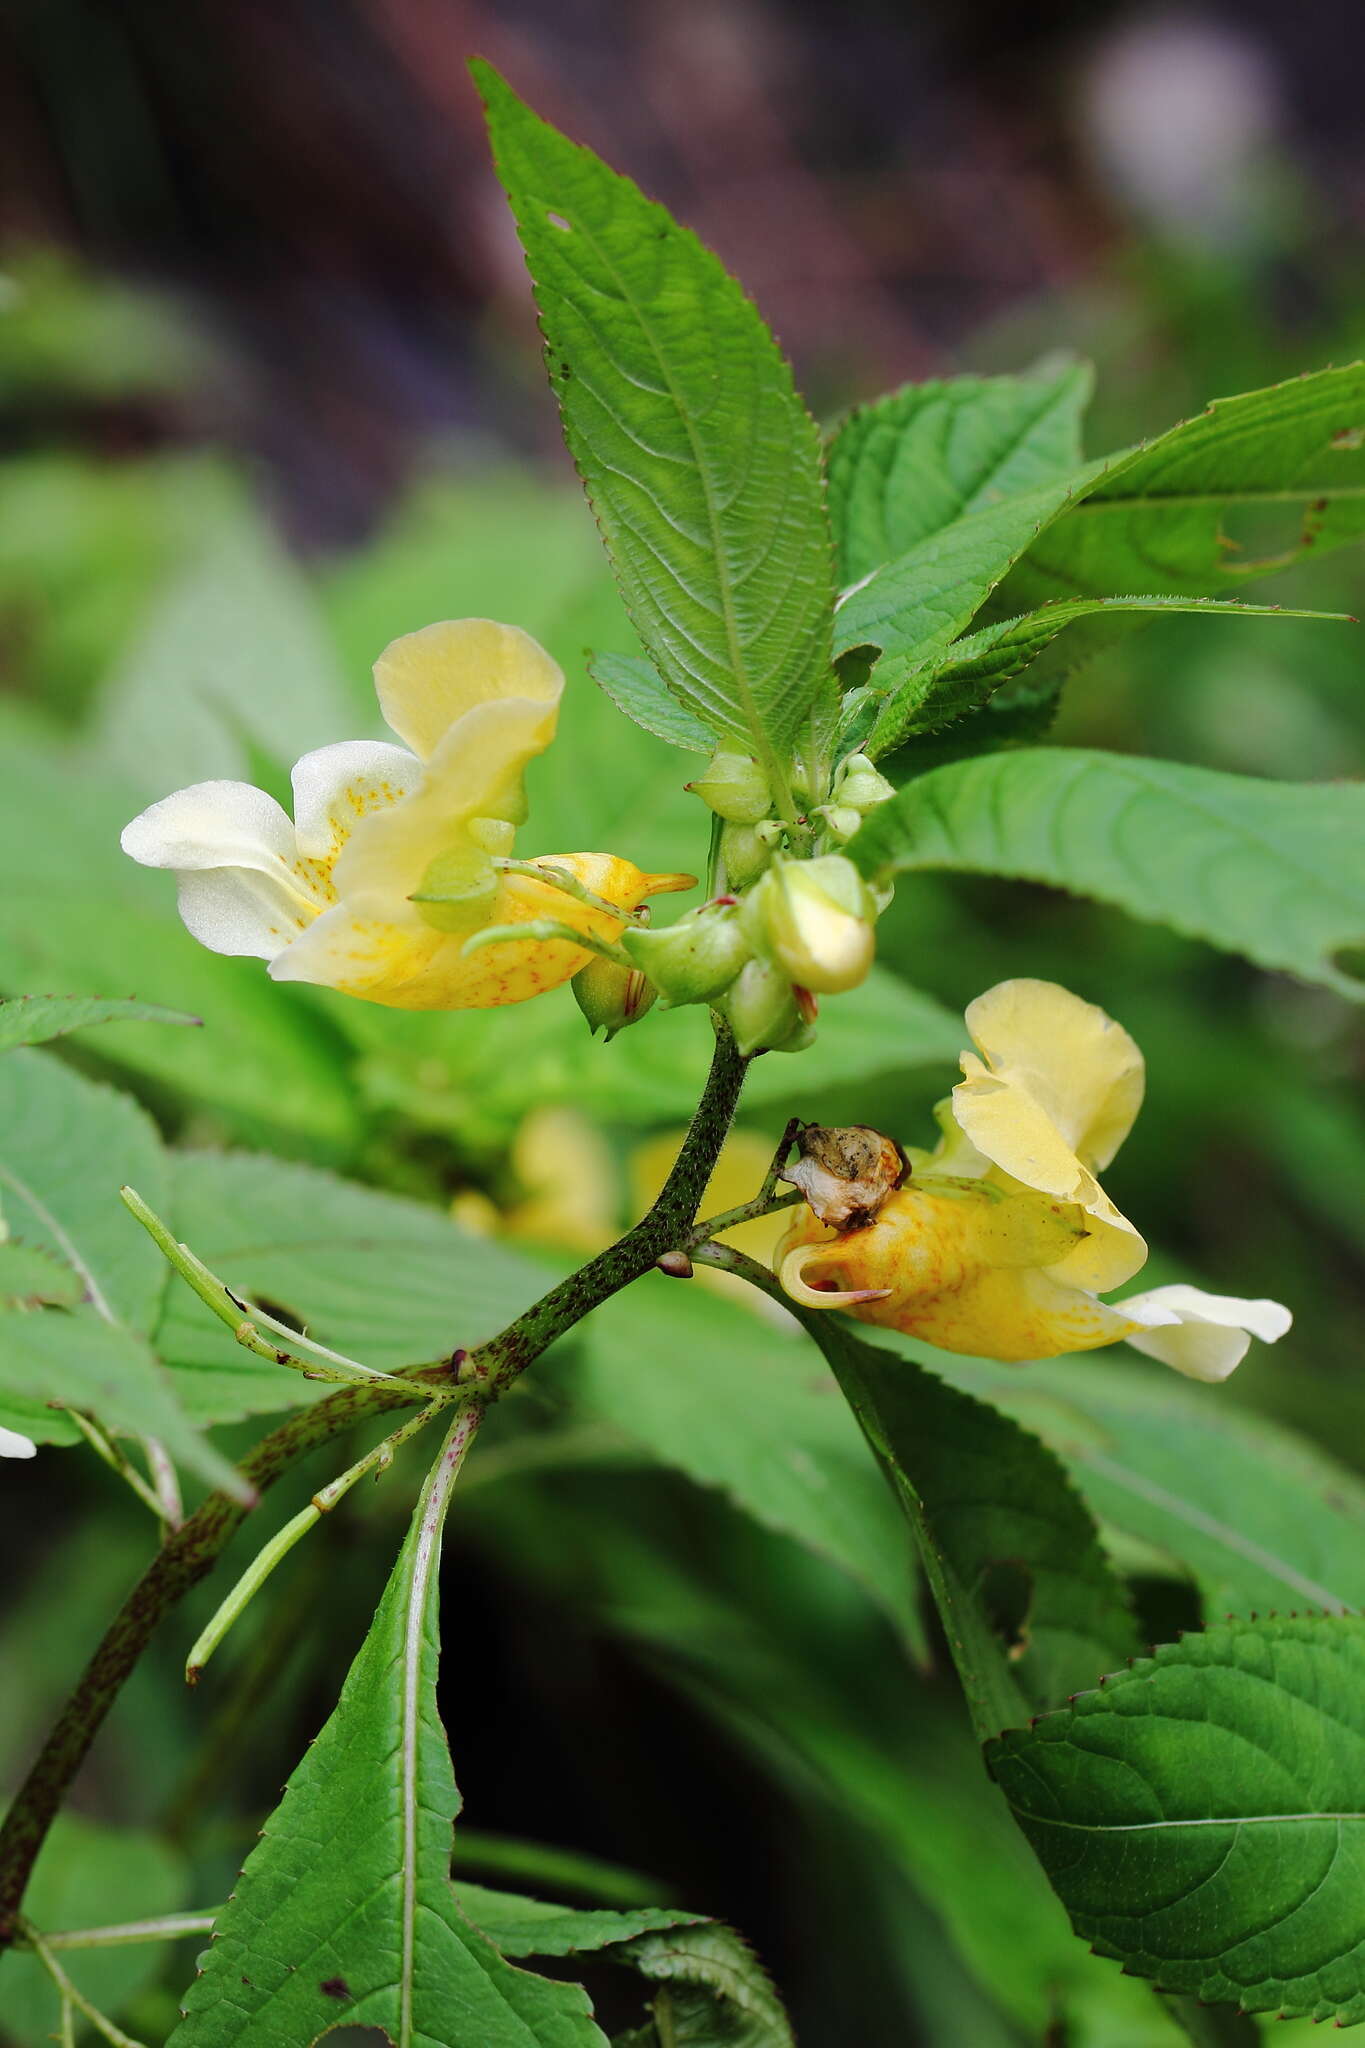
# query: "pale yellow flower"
[[392, 859], [1002, 1241]]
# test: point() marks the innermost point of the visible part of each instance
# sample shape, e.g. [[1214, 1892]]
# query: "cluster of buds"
[[783, 932]]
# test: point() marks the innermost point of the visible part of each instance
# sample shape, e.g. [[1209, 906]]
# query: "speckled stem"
[[190, 1551]]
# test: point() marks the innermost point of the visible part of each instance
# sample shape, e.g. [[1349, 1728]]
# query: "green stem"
[[71, 1996], [568, 885], [189, 1552], [282, 1542], [114, 1458], [169, 1927], [494, 1366]]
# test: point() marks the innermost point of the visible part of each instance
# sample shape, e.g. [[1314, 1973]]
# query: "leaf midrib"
[[1139, 1827], [719, 555]]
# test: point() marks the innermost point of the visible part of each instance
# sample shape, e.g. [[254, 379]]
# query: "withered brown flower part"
[[846, 1172]]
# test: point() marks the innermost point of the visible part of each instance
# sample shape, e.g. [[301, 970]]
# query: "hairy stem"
[[190, 1551]]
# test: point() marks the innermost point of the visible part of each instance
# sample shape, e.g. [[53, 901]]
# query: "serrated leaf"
[[30, 1020], [1027, 1599], [519, 1926], [380, 1278], [31, 1276], [1202, 1818], [911, 463], [370, 1933], [912, 608], [701, 463], [1157, 520], [968, 672], [1272, 870], [84, 1361], [635, 687], [710, 1389], [1258, 1516]]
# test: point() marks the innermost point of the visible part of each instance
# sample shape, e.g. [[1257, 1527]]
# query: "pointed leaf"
[[369, 1931], [911, 609], [635, 687], [1158, 519], [29, 1020], [1202, 1815], [1029, 1604], [967, 674], [1273, 870], [909, 464], [700, 461]]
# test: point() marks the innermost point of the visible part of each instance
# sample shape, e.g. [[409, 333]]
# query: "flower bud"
[[694, 960], [842, 821], [762, 1010], [815, 918], [746, 851], [735, 787], [611, 997], [860, 786]]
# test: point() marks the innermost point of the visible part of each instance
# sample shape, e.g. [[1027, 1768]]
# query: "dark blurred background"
[[903, 188]]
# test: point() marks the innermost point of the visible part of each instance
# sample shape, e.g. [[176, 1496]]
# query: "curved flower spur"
[[1002, 1240], [398, 856]]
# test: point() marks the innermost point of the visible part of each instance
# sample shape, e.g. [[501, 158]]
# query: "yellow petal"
[[1079, 1067], [1054, 1096], [378, 946], [428, 680], [949, 1266]]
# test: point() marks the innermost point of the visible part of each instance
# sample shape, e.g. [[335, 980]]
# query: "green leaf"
[[715, 1993], [232, 665], [1201, 1816], [1273, 870], [907, 465], [1030, 1606], [86, 918], [67, 1145], [370, 1932], [29, 1020], [701, 463], [31, 1276], [1158, 518], [1259, 1517], [90, 1876], [708, 1387], [82, 1361], [910, 610], [387, 1281], [634, 687], [967, 674]]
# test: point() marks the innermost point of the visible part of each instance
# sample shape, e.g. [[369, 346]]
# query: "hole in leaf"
[[357, 2037], [1165, 1608], [1007, 1595], [1350, 960], [1348, 438], [557, 220]]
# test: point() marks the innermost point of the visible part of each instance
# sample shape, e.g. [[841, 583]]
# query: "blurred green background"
[[269, 396]]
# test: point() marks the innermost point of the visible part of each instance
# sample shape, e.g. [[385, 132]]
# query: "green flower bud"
[[860, 787], [735, 787], [762, 1010], [814, 918], [746, 851], [611, 997], [694, 960], [842, 820]]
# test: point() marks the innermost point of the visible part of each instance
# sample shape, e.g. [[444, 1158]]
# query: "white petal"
[[12, 1445], [334, 787], [240, 910], [212, 825], [1204, 1336]]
